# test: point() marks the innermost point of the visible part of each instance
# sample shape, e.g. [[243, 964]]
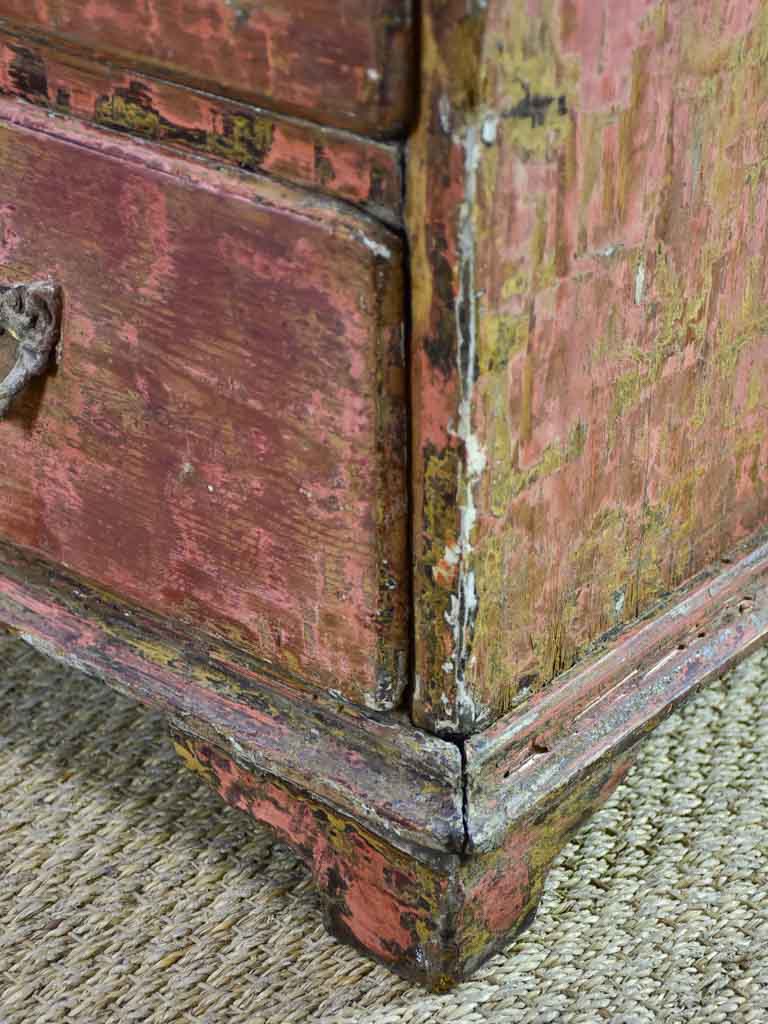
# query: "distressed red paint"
[[365, 173], [590, 329], [345, 63], [397, 781], [367, 893], [376, 808], [587, 220], [194, 450], [550, 715]]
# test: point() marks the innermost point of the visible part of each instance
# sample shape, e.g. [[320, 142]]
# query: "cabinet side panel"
[[607, 326]]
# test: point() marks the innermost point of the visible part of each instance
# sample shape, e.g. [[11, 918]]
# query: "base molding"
[[428, 857], [433, 922], [604, 707]]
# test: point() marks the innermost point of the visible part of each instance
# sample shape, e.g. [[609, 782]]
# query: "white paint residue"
[[490, 129], [640, 282], [377, 248], [445, 113], [464, 601], [239, 749], [452, 615], [609, 250], [475, 456], [452, 554]]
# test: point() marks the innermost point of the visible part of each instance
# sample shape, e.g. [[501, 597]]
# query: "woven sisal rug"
[[128, 892]]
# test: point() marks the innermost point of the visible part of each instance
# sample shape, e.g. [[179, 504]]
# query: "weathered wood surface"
[[366, 173], [394, 780], [433, 923], [518, 816], [686, 616], [386, 904], [223, 440], [409, 872], [539, 755], [346, 62], [587, 209]]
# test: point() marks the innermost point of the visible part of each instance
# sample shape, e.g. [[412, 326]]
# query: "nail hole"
[[539, 747], [681, 647], [701, 633], [726, 561]]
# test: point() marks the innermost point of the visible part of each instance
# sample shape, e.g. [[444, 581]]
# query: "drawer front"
[[345, 62], [222, 439], [365, 172]]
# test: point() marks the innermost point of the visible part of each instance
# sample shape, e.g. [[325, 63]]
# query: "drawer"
[[345, 63], [365, 172], [223, 438]]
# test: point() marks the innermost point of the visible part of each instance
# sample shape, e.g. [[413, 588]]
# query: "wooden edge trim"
[[526, 763], [546, 715], [357, 170], [380, 244], [395, 780], [371, 804]]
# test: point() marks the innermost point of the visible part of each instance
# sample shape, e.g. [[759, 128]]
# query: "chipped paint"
[[357, 170], [464, 607], [325, 597], [358, 76], [381, 251], [377, 812], [614, 241], [640, 282]]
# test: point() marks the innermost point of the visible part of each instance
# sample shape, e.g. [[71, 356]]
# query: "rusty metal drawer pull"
[[30, 315]]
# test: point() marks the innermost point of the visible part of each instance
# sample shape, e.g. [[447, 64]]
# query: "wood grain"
[[346, 63], [223, 440], [724, 590], [587, 215], [358, 170], [603, 709]]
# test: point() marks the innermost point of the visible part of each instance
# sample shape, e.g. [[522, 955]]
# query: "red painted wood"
[[363, 172], [376, 898], [583, 736], [395, 780], [223, 440], [687, 618], [345, 62], [419, 864], [588, 209]]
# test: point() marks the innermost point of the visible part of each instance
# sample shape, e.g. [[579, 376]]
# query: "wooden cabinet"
[[417, 470]]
